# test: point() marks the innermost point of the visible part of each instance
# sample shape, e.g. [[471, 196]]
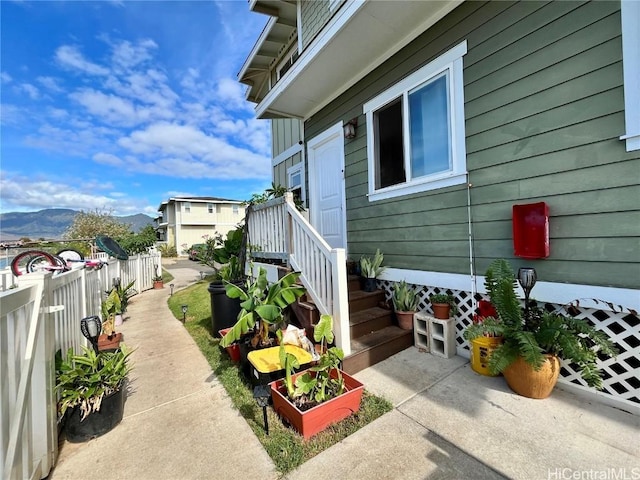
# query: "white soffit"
[[358, 38]]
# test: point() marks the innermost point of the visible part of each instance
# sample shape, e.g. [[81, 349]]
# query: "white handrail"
[[278, 229]]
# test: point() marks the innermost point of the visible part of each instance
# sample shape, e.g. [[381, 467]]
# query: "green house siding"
[[285, 132], [280, 170], [544, 110], [315, 14]]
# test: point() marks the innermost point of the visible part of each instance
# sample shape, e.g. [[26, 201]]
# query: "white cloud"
[[30, 90], [50, 83], [108, 159], [5, 77], [126, 55], [39, 194], [70, 56], [231, 93], [109, 108], [185, 151]]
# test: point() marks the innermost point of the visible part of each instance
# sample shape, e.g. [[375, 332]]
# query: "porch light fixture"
[[171, 285], [262, 394], [350, 128], [184, 312], [527, 278], [90, 328]]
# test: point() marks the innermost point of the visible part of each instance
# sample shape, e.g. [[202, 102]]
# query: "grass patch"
[[287, 449]]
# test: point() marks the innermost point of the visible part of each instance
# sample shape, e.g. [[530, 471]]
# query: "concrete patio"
[[448, 421]]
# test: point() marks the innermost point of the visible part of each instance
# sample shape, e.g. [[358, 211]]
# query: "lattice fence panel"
[[621, 374]]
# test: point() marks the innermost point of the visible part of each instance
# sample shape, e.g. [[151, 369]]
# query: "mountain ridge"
[[51, 223]]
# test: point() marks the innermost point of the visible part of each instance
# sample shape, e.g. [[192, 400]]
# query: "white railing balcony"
[[278, 230]]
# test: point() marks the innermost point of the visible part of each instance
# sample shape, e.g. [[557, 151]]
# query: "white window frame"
[[211, 208], [450, 61], [291, 171], [235, 209], [630, 13], [186, 207], [288, 57]]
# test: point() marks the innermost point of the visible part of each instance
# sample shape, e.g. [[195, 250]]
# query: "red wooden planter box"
[[316, 419]]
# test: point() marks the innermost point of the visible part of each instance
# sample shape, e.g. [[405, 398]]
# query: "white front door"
[[326, 186]]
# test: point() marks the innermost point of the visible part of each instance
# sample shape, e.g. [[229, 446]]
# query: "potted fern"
[[370, 269], [405, 303], [313, 399], [529, 357]]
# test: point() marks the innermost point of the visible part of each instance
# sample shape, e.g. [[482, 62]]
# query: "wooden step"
[[353, 283], [307, 316], [361, 300], [375, 347], [366, 321]]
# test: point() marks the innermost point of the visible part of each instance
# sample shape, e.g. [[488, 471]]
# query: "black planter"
[[224, 310], [96, 423], [369, 284]]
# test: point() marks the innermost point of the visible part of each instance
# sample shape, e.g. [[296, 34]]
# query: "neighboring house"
[[185, 221], [461, 111]]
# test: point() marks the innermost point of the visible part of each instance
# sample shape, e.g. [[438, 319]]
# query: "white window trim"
[[452, 61], [630, 13], [298, 167], [186, 207]]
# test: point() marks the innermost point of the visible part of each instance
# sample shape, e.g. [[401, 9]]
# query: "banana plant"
[[262, 305]]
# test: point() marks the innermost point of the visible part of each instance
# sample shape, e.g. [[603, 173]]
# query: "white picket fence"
[[38, 317], [280, 231]]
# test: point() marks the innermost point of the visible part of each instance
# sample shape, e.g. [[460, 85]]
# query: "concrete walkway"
[[448, 422]]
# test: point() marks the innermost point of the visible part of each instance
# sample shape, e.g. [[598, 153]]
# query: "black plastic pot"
[[369, 284], [224, 310], [96, 423]]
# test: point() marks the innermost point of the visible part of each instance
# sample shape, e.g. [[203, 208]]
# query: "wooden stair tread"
[[358, 294], [378, 337], [366, 315]]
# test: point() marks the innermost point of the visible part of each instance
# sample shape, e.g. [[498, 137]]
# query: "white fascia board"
[[254, 51]]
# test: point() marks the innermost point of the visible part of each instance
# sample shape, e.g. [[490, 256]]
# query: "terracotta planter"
[[316, 419], [108, 343], [441, 310], [405, 320], [158, 284], [234, 349], [524, 380]]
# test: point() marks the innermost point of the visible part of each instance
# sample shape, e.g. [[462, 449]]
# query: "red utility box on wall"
[[531, 230]]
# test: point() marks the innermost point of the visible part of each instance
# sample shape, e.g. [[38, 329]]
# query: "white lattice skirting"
[[621, 374]]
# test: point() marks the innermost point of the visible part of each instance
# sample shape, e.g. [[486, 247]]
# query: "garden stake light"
[[184, 313], [262, 394], [201, 275], [527, 278], [171, 287], [90, 328], [116, 282]]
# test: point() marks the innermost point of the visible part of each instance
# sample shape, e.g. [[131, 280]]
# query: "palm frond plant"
[[538, 335], [262, 305]]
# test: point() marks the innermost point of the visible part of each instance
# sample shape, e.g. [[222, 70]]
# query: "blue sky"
[[118, 106]]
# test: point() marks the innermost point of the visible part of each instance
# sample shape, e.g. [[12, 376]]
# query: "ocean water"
[[5, 262]]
